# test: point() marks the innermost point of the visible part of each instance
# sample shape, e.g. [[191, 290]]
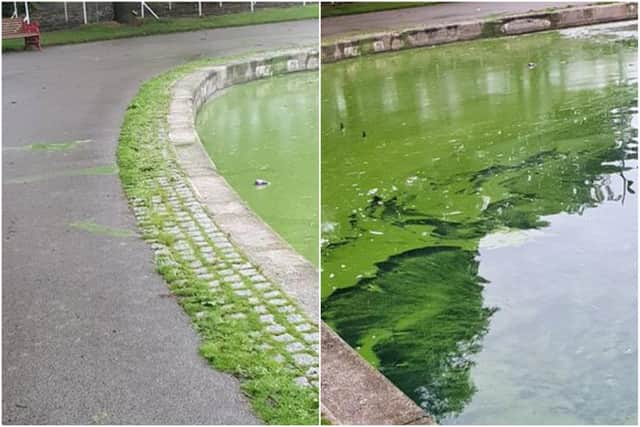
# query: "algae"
[[440, 148], [100, 229], [51, 146], [91, 171], [268, 129]]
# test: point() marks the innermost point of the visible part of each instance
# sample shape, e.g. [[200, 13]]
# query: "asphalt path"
[[446, 13], [89, 332]]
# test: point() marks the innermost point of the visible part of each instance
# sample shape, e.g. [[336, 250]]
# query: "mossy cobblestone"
[[224, 269], [248, 325]]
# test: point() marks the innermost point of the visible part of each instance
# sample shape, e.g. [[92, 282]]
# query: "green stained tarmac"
[[103, 230], [268, 129], [431, 158], [93, 171], [50, 147]]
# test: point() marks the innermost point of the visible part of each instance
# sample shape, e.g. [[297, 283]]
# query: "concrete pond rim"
[[261, 244]]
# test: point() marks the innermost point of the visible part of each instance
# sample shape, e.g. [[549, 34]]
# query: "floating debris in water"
[[261, 182], [364, 134], [485, 203], [604, 32], [329, 227], [531, 65], [508, 238]]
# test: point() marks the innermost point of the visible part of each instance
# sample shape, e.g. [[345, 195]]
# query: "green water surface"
[[268, 129], [479, 224]]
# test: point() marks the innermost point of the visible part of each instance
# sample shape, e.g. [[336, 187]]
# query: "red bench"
[[15, 28]]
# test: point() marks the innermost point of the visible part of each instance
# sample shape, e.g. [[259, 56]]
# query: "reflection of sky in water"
[[567, 311], [577, 311], [469, 151]]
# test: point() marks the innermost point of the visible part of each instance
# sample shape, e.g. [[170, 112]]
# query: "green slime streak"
[[50, 147], [268, 129], [103, 230], [57, 146], [93, 171], [426, 152]]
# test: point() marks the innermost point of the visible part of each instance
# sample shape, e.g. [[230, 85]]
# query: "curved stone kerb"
[[263, 246]]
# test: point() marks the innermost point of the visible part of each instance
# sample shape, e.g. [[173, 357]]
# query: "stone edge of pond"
[[432, 35], [355, 393], [276, 258], [249, 326]]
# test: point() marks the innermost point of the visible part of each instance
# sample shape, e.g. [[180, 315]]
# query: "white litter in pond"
[[329, 227], [411, 180], [485, 202]]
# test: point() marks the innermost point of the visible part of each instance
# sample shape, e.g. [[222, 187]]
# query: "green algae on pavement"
[[268, 129], [50, 147], [229, 344], [427, 152], [90, 171], [104, 230], [57, 146]]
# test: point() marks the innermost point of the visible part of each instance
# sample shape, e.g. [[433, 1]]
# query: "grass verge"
[[231, 344], [150, 26]]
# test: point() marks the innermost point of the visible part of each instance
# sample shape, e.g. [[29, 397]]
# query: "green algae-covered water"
[[479, 224], [268, 129]]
